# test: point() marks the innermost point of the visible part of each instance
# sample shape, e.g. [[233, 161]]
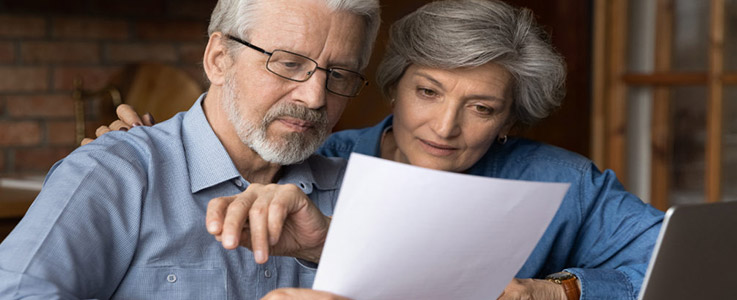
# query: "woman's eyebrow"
[[474, 96], [428, 77]]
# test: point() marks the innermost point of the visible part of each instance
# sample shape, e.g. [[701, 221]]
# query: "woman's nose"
[[447, 122]]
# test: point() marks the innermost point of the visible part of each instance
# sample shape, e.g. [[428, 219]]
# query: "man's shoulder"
[[139, 144]]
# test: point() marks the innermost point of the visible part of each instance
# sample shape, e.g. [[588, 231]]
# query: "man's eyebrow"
[[350, 65]]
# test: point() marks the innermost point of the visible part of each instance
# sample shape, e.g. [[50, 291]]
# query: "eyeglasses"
[[300, 68]]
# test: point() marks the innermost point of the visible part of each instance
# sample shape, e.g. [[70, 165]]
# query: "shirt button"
[[238, 182], [267, 273], [171, 278]]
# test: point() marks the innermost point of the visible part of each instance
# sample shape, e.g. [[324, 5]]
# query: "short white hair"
[[235, 18]]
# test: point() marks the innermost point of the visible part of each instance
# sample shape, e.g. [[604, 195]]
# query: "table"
[[14, 202]]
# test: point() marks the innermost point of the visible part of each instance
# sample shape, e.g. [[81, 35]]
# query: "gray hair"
[[471, 33], [235, 17]]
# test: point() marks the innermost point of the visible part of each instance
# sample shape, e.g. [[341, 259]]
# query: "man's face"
[[286, 121]]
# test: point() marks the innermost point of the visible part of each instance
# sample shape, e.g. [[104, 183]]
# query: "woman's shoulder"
[[526, 151], [341, 143], [363, 140]]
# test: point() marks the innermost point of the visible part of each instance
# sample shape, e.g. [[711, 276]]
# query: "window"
[[665, 92]]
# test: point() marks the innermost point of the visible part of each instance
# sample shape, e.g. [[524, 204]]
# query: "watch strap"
[[569, 284]]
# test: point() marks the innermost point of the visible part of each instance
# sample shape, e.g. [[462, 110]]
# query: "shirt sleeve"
[[616, 238], [78, 237]]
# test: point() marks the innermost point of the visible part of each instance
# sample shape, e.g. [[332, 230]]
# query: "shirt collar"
[[369, 142], [208, 163]]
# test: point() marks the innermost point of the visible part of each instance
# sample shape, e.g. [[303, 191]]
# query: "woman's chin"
[[436, 164]]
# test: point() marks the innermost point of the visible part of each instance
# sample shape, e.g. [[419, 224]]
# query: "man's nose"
[[312, 92]]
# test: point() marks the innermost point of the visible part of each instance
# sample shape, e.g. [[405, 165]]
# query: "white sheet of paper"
[[404, 232]]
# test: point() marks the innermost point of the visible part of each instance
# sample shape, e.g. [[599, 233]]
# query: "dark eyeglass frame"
[[309, 74]]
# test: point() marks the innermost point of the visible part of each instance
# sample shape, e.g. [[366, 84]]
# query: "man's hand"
[[127, 119], [531, 289], [299, 294], [269, 219]]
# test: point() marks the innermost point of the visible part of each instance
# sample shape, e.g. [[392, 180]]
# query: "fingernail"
[[229, 241], [258, 255], [123, 129], [212, 227], [137, 124]]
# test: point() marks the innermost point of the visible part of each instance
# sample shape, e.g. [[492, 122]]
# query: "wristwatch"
[[569, 283]]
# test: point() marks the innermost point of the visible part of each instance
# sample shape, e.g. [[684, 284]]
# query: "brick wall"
[[46, 44]]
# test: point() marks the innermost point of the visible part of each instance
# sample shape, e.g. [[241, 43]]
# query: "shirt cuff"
[[604, 284], [307, 264]]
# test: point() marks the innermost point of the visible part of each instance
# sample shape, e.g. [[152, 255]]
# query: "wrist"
[[313, 254], [568, 283]]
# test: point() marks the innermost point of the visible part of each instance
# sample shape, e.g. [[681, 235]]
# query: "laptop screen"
[[695, 256]]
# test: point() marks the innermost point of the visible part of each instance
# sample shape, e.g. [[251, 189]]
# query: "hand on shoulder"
[[127, 119]]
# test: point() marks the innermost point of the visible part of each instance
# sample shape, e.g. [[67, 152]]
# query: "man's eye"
[[290, 65], [337, 75]]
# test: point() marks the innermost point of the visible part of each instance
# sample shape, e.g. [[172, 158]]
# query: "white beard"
[[288, 149]]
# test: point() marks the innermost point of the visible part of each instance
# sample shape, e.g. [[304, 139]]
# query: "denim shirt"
[[124, 218], [601, 233]]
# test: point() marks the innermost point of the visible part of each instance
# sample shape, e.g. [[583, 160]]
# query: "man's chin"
[[290, 149]]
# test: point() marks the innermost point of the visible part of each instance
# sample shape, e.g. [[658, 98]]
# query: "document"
[[405, 232]]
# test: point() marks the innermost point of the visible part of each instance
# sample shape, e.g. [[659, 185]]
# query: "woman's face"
[[447, 119]]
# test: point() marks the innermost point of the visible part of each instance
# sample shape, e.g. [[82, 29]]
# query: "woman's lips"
[[437, 149]]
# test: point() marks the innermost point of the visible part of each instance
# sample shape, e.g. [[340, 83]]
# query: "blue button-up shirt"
[[601, 233], [124, 217]]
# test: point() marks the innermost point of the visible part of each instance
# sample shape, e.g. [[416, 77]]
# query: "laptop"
[[695, 256]]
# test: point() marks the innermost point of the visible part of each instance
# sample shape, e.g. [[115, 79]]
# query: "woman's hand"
[[531, 289], [299, 294], [272, 219], [127, 119]]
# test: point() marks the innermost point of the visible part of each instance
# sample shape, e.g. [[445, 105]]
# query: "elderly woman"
[[460, 75]]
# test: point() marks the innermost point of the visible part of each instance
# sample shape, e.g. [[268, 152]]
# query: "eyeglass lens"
[[300, 68]]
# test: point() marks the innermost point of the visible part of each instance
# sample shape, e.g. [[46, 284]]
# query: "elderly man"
[[123, 217]]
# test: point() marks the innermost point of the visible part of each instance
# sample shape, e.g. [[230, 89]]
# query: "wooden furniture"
[[152, 88], [14, 203]]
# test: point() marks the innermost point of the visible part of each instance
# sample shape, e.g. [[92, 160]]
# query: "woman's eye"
[[485, 110], [426, 92]]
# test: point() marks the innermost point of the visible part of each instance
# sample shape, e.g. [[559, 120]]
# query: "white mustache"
[[317, 117]]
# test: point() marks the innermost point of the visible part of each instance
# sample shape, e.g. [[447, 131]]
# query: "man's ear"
[[217, 59]]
